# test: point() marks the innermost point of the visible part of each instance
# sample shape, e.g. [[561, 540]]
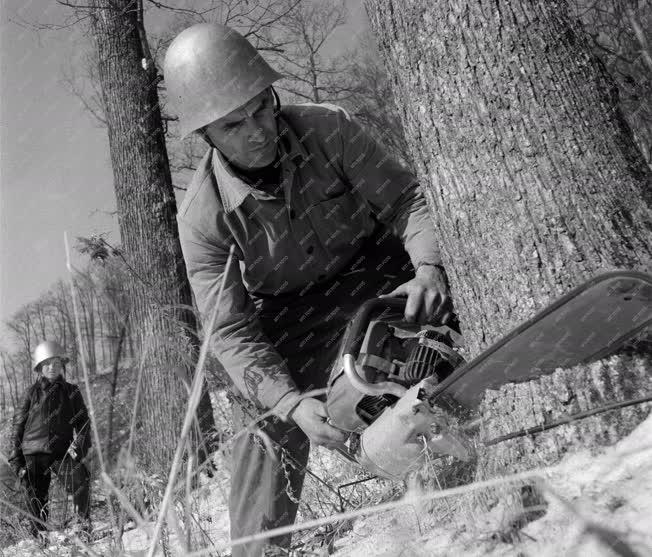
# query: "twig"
[[251, 428], [87, 383], [189, 469], [605, 536], [639, 33], [338, 517], [197, 384], [125, 503]]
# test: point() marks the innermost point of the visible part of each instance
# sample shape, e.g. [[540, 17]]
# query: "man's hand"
[[310, 415], [21, 473], [427, 296]]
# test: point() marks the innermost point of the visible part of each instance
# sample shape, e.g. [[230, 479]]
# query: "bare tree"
[[310, 74], [159, 292], [373, 103], [620, 37]]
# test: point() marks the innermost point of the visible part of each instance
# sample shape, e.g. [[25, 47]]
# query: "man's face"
[[52, 368], [247, 136]]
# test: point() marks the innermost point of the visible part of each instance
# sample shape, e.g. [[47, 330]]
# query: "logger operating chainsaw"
[[321, 219]]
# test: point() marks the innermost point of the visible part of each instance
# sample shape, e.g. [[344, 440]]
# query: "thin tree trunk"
[[101, 328], [147, 209], [114, 390]]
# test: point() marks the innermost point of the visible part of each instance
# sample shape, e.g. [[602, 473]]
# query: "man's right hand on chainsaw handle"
[[311, 416]]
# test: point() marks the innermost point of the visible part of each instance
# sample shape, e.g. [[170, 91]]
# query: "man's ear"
[[277, 108]]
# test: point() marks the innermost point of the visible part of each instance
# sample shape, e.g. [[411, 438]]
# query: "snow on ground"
[[612, 489]]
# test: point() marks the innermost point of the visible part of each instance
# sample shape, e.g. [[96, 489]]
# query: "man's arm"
[[16, 457], [253, 364], [391, 191], [393, 194]]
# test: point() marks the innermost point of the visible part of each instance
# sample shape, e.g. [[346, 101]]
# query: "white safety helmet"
[[48, 349]]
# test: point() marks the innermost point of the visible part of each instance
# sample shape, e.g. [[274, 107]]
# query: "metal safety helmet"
[[211, 70], [48, 349]]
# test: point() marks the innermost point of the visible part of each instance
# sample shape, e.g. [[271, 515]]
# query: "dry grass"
[[441, 502]]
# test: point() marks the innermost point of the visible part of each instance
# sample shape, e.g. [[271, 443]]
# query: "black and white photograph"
[[362, 278]]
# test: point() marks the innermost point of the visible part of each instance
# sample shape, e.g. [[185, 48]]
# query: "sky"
[[55, 171]]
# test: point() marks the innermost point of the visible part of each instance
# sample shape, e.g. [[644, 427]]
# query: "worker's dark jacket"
[[50, 417]]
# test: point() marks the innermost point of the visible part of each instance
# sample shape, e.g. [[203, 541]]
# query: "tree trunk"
[[147, 209], [535, 185]]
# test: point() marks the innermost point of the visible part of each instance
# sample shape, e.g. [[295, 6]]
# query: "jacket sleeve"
[[390, 190], [16, 457], [253, 364], [80, 422]]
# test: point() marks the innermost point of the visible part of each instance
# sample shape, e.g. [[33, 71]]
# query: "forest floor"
[[601, 504]]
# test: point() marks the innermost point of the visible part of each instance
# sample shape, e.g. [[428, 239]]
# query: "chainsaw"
[[403, 391], [380, 386]]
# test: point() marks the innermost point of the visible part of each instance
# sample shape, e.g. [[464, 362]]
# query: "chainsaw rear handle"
[[371, 309]]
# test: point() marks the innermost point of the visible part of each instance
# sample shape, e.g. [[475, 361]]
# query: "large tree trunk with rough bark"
[[535, 185], [146, 211]]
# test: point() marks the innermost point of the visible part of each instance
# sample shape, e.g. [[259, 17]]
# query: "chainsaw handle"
[[372, 389], [371, 309]]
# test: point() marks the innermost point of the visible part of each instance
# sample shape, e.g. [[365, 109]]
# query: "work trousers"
[[306, 329], [75, 478]]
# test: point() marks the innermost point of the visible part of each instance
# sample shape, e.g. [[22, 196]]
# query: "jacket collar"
[[233, 190], [44, 383]]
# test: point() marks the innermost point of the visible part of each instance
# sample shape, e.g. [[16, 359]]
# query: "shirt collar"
[[44, 382], [233, 189]]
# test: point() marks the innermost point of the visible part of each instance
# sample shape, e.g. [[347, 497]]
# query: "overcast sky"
[[55, 172]]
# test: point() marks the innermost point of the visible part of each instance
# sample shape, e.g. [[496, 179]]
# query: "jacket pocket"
[[341, 221]]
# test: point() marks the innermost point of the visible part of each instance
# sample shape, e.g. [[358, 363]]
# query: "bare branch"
[[640, 37]]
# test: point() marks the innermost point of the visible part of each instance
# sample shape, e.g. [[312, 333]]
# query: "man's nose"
[[255, 132]]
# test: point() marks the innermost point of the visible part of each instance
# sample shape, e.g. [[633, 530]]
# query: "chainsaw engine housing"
[[391, 351]]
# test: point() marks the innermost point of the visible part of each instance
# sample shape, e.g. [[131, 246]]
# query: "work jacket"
[[337, 183], [50, 416]]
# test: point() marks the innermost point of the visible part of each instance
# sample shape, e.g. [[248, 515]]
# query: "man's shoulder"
[[201, 196], [71, 386], [313, 110], [306, 115]]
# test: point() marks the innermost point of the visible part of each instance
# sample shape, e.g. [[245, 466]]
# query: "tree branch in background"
[[619, 31]]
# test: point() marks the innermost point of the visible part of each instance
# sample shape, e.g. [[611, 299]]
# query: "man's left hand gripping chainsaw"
[[380, 386]]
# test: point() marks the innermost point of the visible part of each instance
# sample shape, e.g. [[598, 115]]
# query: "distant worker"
[[51, 435], [322, 219]]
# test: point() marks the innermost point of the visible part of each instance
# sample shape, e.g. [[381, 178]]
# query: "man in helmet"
[[50, 434], [321, 219]]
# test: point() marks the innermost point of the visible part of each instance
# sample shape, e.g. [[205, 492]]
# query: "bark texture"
[[566, 392], [535, 185], [534, 181], [146, 213]]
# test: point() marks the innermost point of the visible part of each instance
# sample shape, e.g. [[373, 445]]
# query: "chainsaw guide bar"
[[400, 390]]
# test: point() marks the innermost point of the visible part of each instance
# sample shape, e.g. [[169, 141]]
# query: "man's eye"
[[232, 126]]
